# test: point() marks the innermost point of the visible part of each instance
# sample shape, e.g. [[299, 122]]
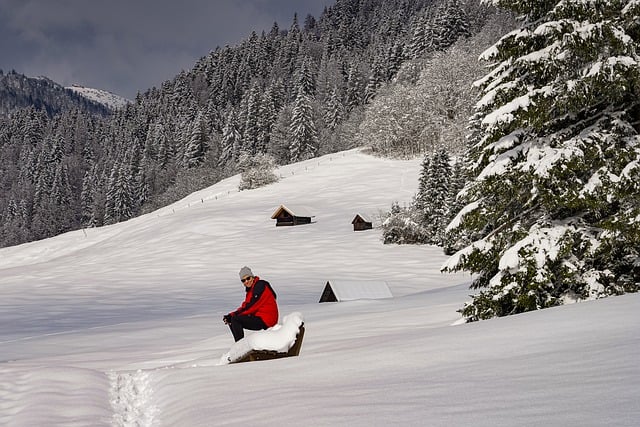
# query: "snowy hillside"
[[121, 325], [104, 97]]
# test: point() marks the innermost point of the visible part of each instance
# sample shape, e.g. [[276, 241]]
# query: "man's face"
[[247, 281]]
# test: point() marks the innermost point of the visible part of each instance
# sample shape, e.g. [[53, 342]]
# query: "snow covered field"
[[122, 326]]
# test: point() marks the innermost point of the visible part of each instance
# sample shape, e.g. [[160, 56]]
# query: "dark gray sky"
[[125, 46]]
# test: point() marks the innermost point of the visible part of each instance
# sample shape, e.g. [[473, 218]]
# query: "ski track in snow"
[[130, 396], [131, 393]]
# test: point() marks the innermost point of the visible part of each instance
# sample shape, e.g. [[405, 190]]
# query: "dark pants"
[[239, 323]]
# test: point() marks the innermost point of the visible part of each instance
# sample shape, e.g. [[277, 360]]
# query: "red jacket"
[[260, 301]]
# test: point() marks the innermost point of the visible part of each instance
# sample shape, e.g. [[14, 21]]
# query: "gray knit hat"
[[245, 271]]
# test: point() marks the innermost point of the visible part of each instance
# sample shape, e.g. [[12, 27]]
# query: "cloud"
[[127, 46]]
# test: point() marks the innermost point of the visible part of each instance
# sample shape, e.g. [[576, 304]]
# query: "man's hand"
[[226, 319]]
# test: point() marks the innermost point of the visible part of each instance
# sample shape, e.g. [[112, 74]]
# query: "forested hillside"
[[18, 92], [290, 93]]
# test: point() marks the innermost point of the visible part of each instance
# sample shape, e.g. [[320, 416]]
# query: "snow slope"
[[121, 325], [100, 96]]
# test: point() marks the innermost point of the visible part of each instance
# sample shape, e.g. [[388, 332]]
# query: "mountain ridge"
[[110, 99], [18, 91]]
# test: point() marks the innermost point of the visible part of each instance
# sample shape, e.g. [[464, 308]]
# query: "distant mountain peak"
[[100, 96], [18, 91]]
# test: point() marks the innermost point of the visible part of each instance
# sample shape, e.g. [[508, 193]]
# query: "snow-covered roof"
[[348, 290], [298, 211], [363, 217]]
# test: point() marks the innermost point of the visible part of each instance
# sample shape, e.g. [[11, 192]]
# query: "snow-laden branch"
[[507, 113]]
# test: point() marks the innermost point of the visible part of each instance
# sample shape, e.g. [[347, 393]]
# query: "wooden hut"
[[288, 216], [360, 223], [345, 290]]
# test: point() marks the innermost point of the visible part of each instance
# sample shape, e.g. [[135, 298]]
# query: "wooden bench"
[[255, 355]]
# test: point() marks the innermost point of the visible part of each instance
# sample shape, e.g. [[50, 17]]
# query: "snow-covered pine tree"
[[334, 112], [279, 140], [87, 197], [252, 117], [554, 206], [60, 193], [231, 140], [418, 43], [433, 215], [450, 23], [165, 150], [304, 77], [93, 198], [197, 144], [376, 79], [60, 200], [355, 88], [118, 206], [302, 130], [267, 116], [394, 60], [450, 241], [421, 196]]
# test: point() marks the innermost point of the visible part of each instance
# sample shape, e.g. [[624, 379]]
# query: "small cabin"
[[348, 290], [360, 223], [291, 216]]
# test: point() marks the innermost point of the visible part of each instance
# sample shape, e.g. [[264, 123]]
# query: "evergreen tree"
[[231, 141], [279, 147], [355, 88], [305, 79], [392, 225], [421, 199], [553, 207], [60, 189], [420, 37], [63, 217], [119, 202], [43, 179], [376, 78], [395, 56], [57, 149], [334, 112], [197, 144], [251, 130], [450, 23], [87, 198], [302, 130], [450, 241], [34, 126], [435, 210]]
